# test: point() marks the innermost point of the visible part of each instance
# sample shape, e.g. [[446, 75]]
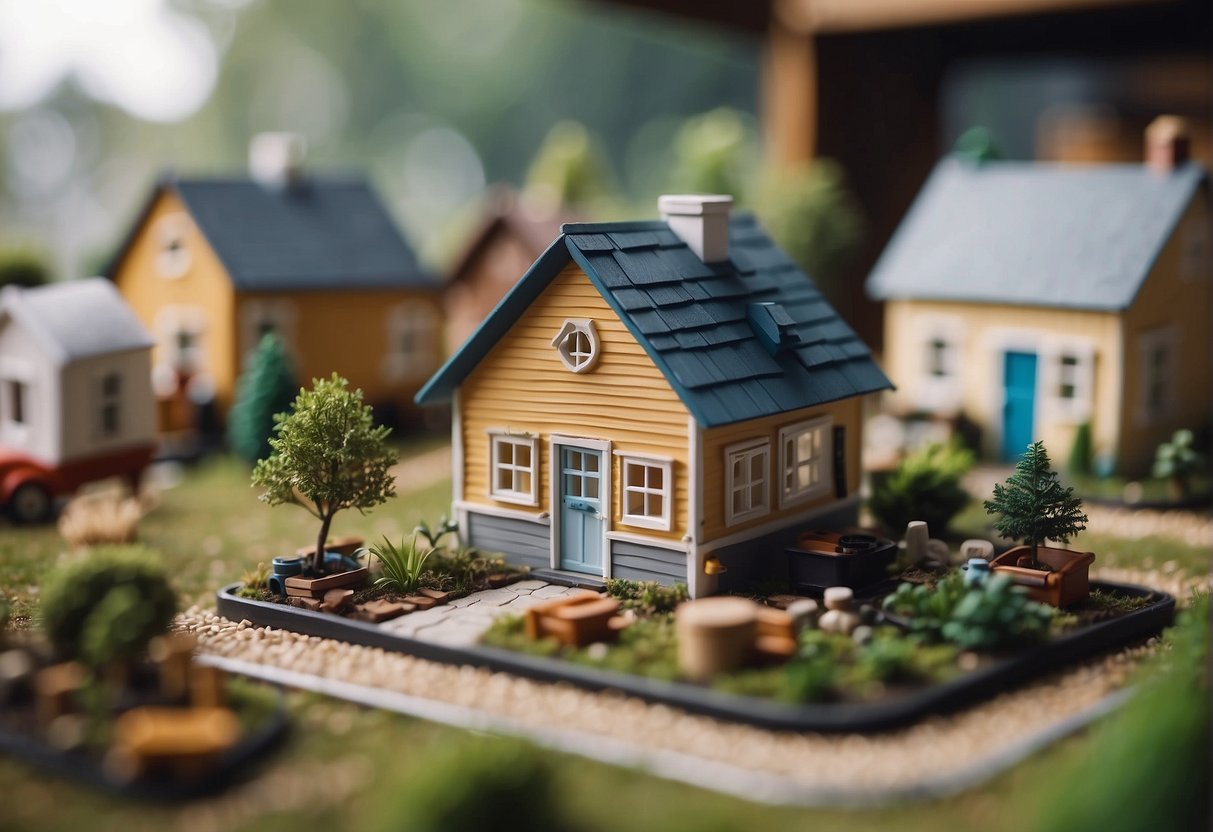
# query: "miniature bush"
[[927, 485], [927, 608], [327, 456], [1146, 766], [23, 267], [108, 606], [1033, 506], [480, 783], [1081, 452], [1178, 461], [401, 564], [647, 597], [266, 388]]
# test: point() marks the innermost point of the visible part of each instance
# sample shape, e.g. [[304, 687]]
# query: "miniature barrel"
[[715, 635]]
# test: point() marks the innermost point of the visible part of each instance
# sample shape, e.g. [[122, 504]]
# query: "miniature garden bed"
[[900, 707], [269, 726]]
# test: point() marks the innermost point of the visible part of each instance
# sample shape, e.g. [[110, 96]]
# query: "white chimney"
[[276, 159], [1167, 144], [701, 221]]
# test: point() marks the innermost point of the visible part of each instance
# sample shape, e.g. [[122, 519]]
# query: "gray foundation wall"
[[637, 562], [523, 542]]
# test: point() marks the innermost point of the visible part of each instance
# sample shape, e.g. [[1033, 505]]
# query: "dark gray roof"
[[1036, 234], [326, 232], [737, 340], [76, 319]]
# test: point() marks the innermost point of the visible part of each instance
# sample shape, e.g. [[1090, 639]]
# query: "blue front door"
[[1019, 380], [581, 509]]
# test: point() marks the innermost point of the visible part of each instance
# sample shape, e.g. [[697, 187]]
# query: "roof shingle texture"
[[1069, 236]]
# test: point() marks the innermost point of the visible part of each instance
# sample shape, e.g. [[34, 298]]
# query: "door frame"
[[1034, 425], [603, 446], [998, 341]]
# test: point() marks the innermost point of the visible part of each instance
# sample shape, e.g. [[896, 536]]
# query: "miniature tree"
[[23, 267], [267, 387], [1178, 461], [108, 606], [328, 455], [1033, 504]]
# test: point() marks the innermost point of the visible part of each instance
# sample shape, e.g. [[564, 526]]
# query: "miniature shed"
[[659, 400], [212, 264], [75, 391], [1033, 298]]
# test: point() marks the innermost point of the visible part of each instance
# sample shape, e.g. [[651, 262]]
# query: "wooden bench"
[[184, 741], [575, 620]]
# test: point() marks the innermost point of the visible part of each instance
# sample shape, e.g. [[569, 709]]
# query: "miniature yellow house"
[[668, 400], [1033, 298], [211, 265]]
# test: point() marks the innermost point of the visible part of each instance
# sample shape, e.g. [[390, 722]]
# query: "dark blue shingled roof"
[[738, 340], [1071, 236], [326, 232]]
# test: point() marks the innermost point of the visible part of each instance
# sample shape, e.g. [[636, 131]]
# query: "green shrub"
[[1178, 461], [23, 267], [928, 608], [647, 597], [1146, 766], [927, 485], [401, 564], [266, 388], [108, 606], [479, 783], [1081, 452]]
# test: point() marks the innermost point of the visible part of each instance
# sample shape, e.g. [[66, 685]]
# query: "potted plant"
[[327, 455], [1033, 506]]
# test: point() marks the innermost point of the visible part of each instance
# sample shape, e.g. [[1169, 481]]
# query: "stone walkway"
[[461, 622]]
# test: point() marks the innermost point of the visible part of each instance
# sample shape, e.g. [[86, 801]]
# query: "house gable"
[[522, 387]]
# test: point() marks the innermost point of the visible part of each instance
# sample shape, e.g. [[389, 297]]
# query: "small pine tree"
[[1033, 504], [328, 455], [1081, 452], [267, 387]]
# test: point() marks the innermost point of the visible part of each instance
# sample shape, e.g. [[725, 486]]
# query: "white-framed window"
[[577, 345], [180, 347], [806, 460], [109, 405], [16, 409], [1069, 380], [17, 414], [747, 490], [941, 340], [514, 467], [412, 333], [261, 316], [648, 488], [172, 252], [1158, 359]]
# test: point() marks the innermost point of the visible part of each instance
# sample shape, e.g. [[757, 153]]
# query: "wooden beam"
[[838, 16], [789, 95]]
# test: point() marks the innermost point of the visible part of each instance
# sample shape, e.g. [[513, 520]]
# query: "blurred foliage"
[[1148, 766], [266, 387], [1179, 462], [22, 266], [927, 485], [569, 171], [715, 153], [107, 606], [1082, 454], [647, 597]]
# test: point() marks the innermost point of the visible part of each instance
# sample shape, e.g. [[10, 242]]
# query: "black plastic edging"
[[764, 713]]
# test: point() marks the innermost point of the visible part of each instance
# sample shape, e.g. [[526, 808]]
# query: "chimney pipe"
[[276, 159], [701, 221], [1167, 144]]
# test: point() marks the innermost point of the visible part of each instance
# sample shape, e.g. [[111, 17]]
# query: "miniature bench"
[[575, 620], [185, 741]]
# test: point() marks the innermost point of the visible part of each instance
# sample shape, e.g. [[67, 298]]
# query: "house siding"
[[638, 562], [1170, 298], [716, 441], [204, 286], [985, 332], [523, 542], [523, 386]]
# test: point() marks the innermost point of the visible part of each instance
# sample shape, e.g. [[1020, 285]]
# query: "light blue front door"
[[580, 509], [1018, 411]]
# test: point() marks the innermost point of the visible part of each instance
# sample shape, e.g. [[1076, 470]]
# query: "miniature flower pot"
[[1066, 585], [824, 559], [715, 635], [284, 568]]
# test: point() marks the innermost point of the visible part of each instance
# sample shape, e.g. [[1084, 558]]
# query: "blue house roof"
[[325, 232], [736, 340], [1082, 237]]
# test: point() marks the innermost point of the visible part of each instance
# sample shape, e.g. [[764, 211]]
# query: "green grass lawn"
[[344, 763]]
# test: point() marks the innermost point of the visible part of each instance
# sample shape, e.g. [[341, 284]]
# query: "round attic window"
[[172, 254], [578, 346]]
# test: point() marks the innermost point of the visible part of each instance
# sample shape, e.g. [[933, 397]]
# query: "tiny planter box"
[[1064, 584], [987, 681]]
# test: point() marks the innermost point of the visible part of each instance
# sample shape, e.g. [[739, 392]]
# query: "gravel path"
[[897, 761]]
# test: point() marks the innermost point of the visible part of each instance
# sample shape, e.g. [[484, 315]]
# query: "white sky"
[[140, 55]]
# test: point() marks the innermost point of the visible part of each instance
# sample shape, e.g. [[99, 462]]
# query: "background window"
[[111, 403], [747, 494], [412, 332], [646, 492], [805, 460], [17, 402]]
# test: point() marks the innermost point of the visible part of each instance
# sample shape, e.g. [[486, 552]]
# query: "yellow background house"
[[654, 394], [1033, 298], [211, 265]]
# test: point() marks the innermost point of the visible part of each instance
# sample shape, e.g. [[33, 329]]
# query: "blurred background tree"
[[20, 266]]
